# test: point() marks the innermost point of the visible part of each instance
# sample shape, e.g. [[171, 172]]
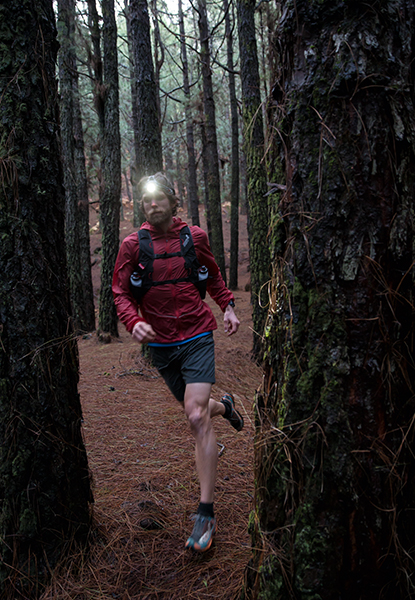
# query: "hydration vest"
[[141, 279]]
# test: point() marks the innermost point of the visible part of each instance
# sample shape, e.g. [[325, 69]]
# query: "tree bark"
[[179, 170], [67, 66], [158, 58], [76, 191], [335, 428], [255, 168], [127, 185], [88, 323], [212, 156], [111, 157], [44, 479], [95, 59], [138, 217], [244, 187], [192, 196], [148, 150], [205, 169], [233, 267]]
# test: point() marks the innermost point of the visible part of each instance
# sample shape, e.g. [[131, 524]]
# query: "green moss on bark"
[[334, 426]]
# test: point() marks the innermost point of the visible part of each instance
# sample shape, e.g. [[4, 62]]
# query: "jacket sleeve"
[[215, 286], [127, 259]]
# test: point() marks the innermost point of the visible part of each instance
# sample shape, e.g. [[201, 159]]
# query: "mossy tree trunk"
[[335, 429], [110, 201], [212, 156], [44, 478], [256, 175], [148, 149]]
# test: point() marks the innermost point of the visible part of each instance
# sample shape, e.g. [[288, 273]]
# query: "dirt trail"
[[141, 456]]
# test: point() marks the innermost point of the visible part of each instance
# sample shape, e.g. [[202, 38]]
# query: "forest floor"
[[141, 458]]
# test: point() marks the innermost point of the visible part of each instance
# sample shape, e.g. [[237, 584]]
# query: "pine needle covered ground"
[[141, 458]]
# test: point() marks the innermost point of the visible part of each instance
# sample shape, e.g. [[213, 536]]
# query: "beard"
[[160, 217]]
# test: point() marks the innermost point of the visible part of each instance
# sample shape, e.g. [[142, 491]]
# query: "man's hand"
[[143, 333], [230, 321]]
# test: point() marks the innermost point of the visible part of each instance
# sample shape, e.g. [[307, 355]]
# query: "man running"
[[165, 283]]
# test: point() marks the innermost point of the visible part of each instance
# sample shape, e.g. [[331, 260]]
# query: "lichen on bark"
[[256, 173], [335, 416]]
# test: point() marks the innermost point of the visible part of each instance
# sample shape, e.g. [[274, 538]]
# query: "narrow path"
[[141, 457]]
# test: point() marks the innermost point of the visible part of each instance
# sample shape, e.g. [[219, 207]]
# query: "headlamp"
[[152, 185]]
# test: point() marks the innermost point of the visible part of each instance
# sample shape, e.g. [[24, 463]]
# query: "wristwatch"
[[231, 303]]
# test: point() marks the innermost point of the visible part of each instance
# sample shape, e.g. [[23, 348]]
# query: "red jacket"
[[175, 311]]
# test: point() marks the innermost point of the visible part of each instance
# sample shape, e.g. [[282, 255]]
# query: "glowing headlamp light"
[[152, 186]]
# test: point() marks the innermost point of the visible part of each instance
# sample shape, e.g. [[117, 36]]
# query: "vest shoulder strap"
[[146, 251], [188, 252], [144, 270]]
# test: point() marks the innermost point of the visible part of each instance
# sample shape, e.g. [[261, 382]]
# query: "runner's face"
[[157, 208]]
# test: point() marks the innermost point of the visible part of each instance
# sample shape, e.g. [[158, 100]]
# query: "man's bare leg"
[[216, 408], [198, 407]]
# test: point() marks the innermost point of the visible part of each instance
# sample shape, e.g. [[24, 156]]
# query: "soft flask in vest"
[[136, 286], [202, 276]]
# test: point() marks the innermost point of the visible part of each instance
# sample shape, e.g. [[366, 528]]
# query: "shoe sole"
[[240, 421], [197, 548]]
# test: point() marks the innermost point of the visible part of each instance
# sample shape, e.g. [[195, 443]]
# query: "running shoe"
[[201, 537], [234, 418]]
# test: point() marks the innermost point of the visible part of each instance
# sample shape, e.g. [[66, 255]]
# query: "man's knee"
[[198, 417]]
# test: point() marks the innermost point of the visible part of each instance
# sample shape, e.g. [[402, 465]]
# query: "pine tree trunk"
[[244, 186], [193, 199], [179, 170], [148, 150], [138, 216], [95, 59], [44, 479], [88, 323], [205, 169], [67, 66], [215, 206], [158, 59], [77, 206], [96, 71], [233, 268], [335, 430], [111, 197], [262, 67], [255, 168], [127, 185]]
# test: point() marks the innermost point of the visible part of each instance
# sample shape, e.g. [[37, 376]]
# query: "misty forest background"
[[299, 113]]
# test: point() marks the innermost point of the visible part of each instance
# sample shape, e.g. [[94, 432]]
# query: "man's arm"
[[230, 320], [215, 286], [143, 332], [127, 307]]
